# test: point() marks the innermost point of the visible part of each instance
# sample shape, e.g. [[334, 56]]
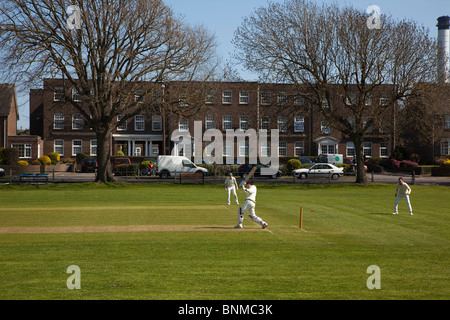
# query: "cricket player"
[[249, 205], [402, 191], [231, 186]]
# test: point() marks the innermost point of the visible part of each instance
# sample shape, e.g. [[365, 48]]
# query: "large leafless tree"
[[342, 64], [105, 49]]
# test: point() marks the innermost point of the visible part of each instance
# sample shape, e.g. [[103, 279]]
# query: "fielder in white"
[[231, 186], [402, 191], [249, 205]]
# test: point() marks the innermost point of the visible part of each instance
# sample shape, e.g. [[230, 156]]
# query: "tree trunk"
[[104, 172], [359, 152]]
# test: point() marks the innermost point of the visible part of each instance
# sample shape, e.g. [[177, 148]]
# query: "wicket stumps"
[[301, 218]]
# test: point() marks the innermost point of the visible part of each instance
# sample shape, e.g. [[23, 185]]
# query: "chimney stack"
[[443, 49]]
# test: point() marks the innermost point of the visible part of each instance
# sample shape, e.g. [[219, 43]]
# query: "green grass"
[[347, 228]]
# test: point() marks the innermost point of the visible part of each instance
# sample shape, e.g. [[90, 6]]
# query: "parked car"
[[89, 165], [121, 161], [306, 161], [244, 170], [2, 172], [171, 166], [319, 170]]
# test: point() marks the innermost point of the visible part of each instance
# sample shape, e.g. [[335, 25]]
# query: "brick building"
[[223, 106]]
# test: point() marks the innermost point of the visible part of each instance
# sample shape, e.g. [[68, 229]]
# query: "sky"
[[223, 17]]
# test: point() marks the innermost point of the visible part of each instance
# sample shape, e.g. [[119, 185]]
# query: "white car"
[[319, 170]]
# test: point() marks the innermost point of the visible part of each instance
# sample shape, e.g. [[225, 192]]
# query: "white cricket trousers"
[[232, 189], [397, 200], [250, 207]]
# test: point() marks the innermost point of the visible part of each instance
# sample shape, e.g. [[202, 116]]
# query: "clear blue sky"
[[222, 17]]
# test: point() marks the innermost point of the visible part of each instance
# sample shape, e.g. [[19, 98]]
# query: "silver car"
[[319, 170]]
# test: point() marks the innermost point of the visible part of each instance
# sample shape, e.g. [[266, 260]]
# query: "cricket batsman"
[[249, 205], [231, 186]]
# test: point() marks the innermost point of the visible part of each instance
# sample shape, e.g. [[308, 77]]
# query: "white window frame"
[[350, 149], [367, 149], [282, 98], [244, 122], [266, 98], [77, 121], [93, 147], [244, 97], [227, 122], [210, 97], [157, 123], [58, 94], [282, 149], [445, 147], [265, 148], [123, 126], [183, 125], [384, 148], [75, 147], [244, 148], [299, 124], [76, 97], [210, 122], [325, 127], [227, 97], [58, 146], [282, 124], [139, 123], [24, 150], [265, 123], [58, 121], [299, 148]]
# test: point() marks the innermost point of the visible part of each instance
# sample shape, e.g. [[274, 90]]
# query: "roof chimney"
[[443, 49]]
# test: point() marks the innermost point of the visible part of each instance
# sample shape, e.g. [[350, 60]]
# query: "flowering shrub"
[[54, 157], [446, 163], [45, 161], [403, 164]]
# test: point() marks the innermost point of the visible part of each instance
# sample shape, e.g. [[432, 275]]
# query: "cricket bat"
[[250, 175]]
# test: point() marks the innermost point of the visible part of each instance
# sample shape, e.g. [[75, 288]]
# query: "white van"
[[174, 165], [330, 158]]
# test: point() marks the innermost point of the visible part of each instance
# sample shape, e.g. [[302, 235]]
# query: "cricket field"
[[165, 241]]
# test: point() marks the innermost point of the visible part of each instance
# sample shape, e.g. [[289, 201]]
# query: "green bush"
[[145, 165], [54, 157], [293, 164], [9, 156], [80, 157], [22, 163], [126, 170], [35, 163], [45, 161]]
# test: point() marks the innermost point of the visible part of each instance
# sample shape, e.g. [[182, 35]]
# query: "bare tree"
[[105, 50], [354, 74]]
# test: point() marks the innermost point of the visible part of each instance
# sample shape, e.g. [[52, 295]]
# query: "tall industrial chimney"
[[443, 49]]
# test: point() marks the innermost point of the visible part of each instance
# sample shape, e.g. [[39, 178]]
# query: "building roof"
[[8, 96]]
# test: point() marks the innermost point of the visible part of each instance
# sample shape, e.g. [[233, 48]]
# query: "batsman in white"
[[402, 191], [249, 205], [231, 186]]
